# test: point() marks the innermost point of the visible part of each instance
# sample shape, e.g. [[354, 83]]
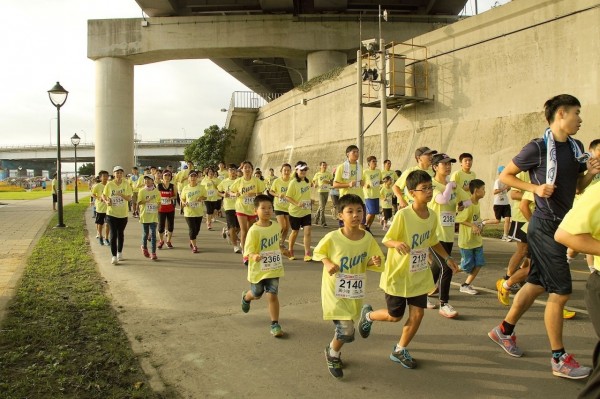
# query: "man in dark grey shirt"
[[556, 168]]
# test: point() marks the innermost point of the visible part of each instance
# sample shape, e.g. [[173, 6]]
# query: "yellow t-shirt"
[[390, 173], [466, 238], [149, 209], [228, 202], [515, 211], [119, 207], [182, 179], [528, 195], [373, 179], [319, 180], [246, 191], [385, 197], [339, 177], [194, 196], [401, 182], [97, 191], [211, 188], [446, 213], [222, 174], [299, 191], [462, 180], [584, 217], [280, 186], [342, 294], [134, 181], [409, 275], [264, 241]]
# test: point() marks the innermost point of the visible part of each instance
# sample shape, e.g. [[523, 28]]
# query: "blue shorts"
[[344, 330], [471, 258], [270, 285], [372, 206]]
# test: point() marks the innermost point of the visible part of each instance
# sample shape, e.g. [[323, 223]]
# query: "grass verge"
[[24, 195], [61, 338]]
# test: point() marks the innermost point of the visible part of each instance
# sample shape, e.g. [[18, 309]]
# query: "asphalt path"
[[182, 315]]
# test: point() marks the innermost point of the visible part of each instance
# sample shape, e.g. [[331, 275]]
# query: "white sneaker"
[[119, 256], [237, 249], [448, 311], [430, 304], [468, 289], [114, 260]]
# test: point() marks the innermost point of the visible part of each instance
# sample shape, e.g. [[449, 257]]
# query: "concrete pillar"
[[114, 114], [320, 62]]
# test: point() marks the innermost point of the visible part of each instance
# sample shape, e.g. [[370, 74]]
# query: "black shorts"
[[516, 232], [296, 223], [54, 198], [281, 213], [231, 219], [501, 211], [396, 305], [100, 218], [387, 213], [211, 207], [549, 267]]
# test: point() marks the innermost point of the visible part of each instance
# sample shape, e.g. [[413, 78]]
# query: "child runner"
[[192, 196], [116, 195], [148, 202], [101, 208], [166, 211], [407, 279], [463, 176], [298, 195], [278, 191], [263, 248], [469, 236], [210, 183], [347, 254], [135, 188], [423, 157], [233, 227], [372, 179], [501, 204], [322, 180], [386, 195]]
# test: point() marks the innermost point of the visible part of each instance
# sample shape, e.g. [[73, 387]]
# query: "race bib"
[[447, 218], [418, 260], [151, 208], [165, 201], [374, 183], [211, 193], [194, 204], [350, 286], [117, 201], [325, 186], [305, 204], [270, 261], [249, 200], [283, 200]]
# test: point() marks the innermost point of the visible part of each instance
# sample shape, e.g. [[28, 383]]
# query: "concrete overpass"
[[306, 38]]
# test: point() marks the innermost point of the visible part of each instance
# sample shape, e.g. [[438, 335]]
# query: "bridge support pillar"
[[114, 114], [320, 62]]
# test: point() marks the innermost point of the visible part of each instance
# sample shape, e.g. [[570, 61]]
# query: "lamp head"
[[75, 140], [58, 95]]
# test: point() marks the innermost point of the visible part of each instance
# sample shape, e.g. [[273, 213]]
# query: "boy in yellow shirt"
[[386, 195], [263, 248], [347, 253], [407, 278]]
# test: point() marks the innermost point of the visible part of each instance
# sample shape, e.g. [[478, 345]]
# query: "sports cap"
[[442, 158], [424, 151]]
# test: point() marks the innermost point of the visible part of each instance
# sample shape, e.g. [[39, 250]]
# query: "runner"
[[232, 229], [166, 211], [97, 191], [423, 157], [278, 191], [298, 195], [322, 180], [116, 194], [463, 176], [135, 188], [149, 199], [192, 196], [386, 195], [501, 204], [210, 183], [372, 184]]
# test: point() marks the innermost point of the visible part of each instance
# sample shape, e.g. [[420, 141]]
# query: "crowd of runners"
[[421, 211]]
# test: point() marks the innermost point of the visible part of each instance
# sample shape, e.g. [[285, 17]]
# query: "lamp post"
[[261, 62], [75, 141], [58, 96]]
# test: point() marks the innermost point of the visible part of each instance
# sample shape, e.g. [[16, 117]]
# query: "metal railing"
[[250, 99]]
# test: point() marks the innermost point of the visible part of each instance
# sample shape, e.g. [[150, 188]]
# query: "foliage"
[[209, 148], [87, 169]]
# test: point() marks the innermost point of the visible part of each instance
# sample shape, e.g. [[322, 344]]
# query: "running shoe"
[[245, 261], [324, 225], [209, 225], [194, 249], [107, 242], [276, 330], [153, 257], [160, 244], [224, 232], [592, 269], [114, 260], [245, 305], [430, 304], [467, 289], [237, 249], [506, 342], [568, 314], [100, 241], [119, 256], [334, 364], [448, 311], [169, 245], [364, 325], [503, 293], [307, 258], [145, 252], [403, 357], [567, 367]]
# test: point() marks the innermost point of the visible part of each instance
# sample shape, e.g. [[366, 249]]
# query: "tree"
[[87, 169], [209, 149]]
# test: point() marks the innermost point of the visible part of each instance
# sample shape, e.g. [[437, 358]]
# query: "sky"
[[43, 42]]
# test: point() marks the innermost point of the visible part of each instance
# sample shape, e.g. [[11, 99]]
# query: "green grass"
[[30, 195], [61, 338], [493, 230]]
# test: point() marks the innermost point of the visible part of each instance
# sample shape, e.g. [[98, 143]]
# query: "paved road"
[[182, 315]]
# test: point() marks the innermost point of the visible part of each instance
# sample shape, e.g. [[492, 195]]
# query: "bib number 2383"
[[350, 286], [418, 260]]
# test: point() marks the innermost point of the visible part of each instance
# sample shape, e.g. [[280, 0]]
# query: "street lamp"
[[58, 96], [75, 141], [261, 62]]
